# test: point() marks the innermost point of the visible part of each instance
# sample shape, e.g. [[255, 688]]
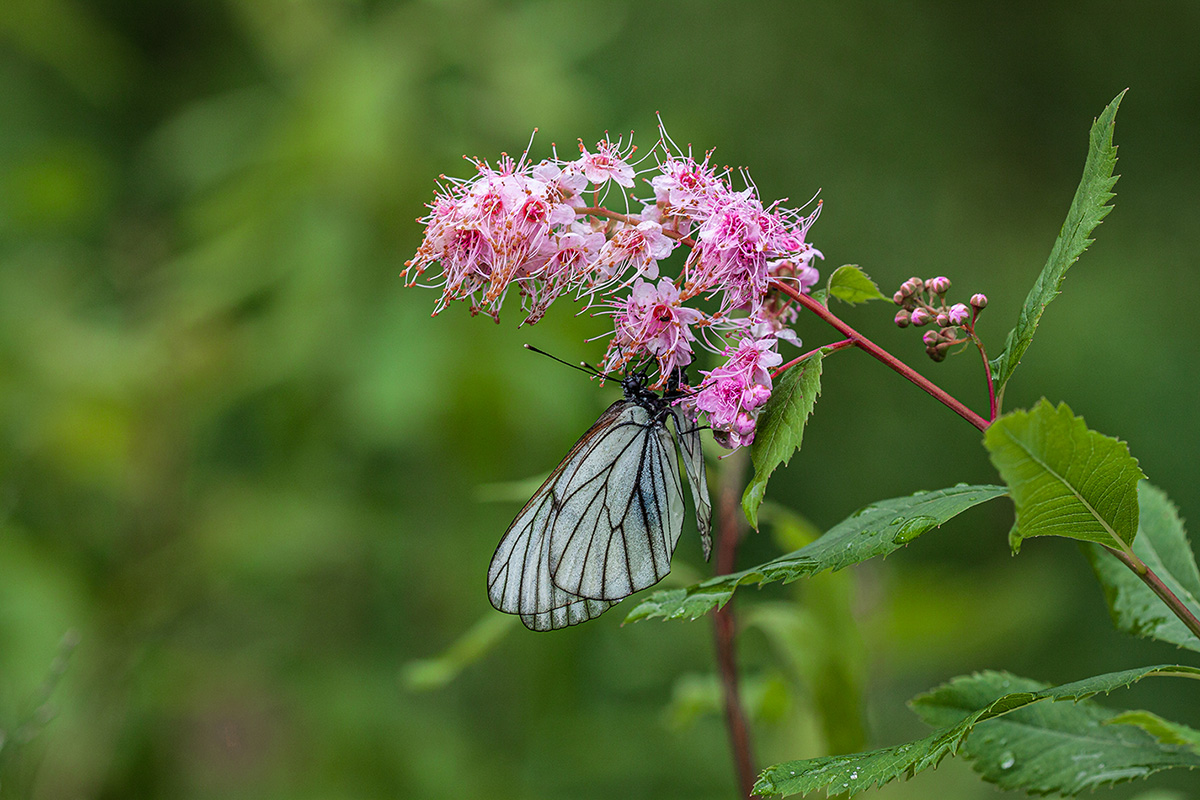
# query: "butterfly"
[[605, 523]]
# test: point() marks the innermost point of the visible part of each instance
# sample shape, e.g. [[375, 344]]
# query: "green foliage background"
[[244, 466]]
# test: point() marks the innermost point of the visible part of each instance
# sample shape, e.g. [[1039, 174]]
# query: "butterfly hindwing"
[[606, 521], [688, 433], [519, 579], [621, 510]]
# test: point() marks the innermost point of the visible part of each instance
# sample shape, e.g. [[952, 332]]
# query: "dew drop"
[[1007, 760]]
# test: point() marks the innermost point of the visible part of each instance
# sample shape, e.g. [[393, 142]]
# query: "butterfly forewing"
[[621, 512]]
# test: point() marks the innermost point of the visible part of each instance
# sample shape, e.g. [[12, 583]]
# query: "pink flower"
[[959, 314], [572, 258], [606, 164], [687, 188], [652, 320], [641, 247], [564, 185]]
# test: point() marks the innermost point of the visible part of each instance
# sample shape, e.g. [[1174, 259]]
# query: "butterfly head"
[[635, 389]]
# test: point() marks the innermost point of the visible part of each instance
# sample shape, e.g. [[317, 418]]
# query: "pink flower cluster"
[[732, 394], [542, 230]]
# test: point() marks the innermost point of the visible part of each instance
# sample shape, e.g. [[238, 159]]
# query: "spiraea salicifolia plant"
[[605, 231]]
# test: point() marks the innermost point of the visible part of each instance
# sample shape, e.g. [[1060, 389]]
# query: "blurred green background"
[[244, 468]]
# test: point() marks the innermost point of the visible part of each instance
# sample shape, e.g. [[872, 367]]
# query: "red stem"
[[863, 343], [987, 370], [730, 529], [1156, 585], [828, 348]]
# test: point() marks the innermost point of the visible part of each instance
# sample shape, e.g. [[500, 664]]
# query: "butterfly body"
[[605, 522]]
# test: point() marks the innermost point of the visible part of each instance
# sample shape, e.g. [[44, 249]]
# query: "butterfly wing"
[[519, 580], [688, 434], [620, 509], [519, 577]]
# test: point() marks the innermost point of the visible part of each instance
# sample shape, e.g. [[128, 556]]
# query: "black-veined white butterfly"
[[605, 523]]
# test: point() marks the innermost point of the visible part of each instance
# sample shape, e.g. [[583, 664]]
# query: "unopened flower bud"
[[938, 285], [979, 302], [942, 320], [921, 317], [755, 396], [743, 425], [903, 318], [959, 314], [930, 338], [916, 283], [899, 297]]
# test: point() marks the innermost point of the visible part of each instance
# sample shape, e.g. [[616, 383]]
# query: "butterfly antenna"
[[581, 366]]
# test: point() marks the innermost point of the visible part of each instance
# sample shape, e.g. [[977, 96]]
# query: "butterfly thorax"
[[636, 391]]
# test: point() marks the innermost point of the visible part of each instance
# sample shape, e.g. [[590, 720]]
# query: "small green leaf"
[[781, 428], [433, 673], [1022, 756], [1089, 206], [1066, 480], [851, 285], [1164, 730], [876, 530], [1162, 544], [816, 639]]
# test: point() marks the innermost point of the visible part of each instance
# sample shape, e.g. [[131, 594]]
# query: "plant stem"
[[824, 349], [863, 343], [1169, 598], [730, 528], [987, 370]]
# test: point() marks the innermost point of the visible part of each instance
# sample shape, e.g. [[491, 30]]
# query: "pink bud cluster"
[[542, 230], [924, 301]]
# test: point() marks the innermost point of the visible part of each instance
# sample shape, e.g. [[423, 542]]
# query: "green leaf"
[[877, 530], [1089, 206], [1051, 747], [851, 285], [1162, 544], [433, 673], [781, 428], [1164, 730], [1015, 752], [1066, 480], [815, 638]]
